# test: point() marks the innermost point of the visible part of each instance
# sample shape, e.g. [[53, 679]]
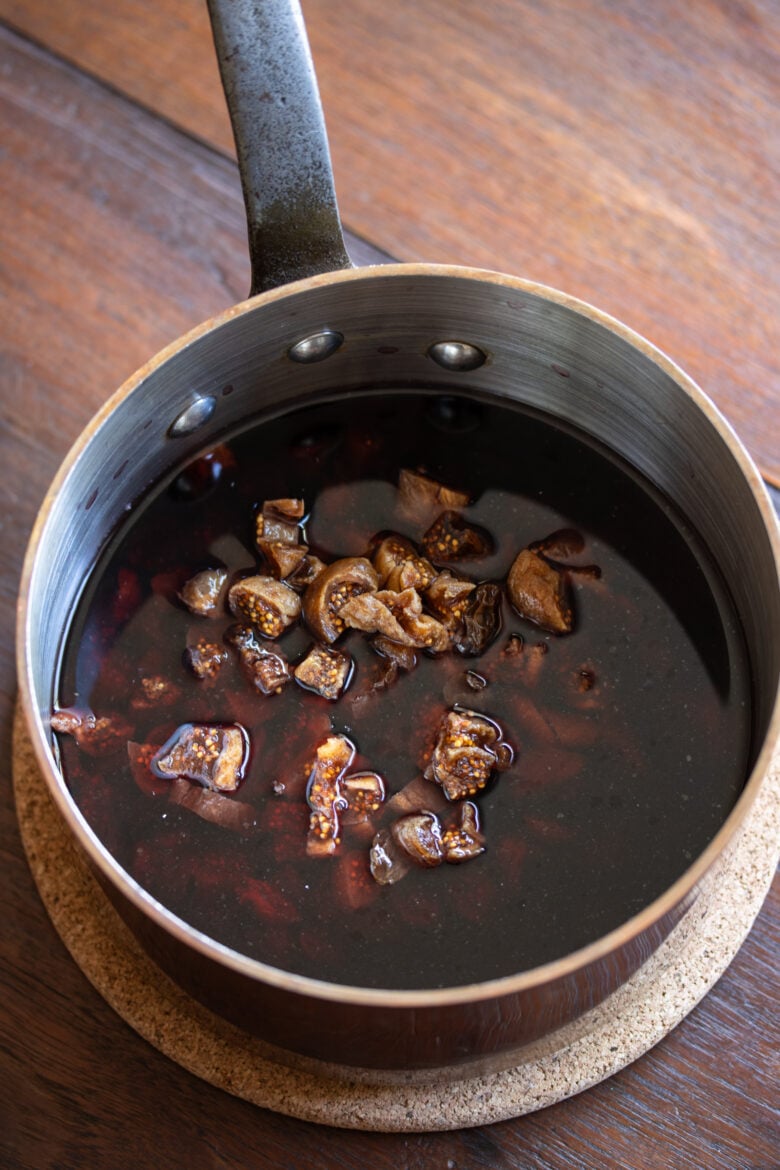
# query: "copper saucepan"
[[316, 328]]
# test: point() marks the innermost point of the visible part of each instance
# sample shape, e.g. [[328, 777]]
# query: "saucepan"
[[314, 329]]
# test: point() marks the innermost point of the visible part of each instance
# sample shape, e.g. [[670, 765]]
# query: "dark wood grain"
[[117, 233], [628, 154]]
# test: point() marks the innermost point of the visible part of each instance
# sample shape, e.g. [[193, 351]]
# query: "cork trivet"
[[625, 1026]]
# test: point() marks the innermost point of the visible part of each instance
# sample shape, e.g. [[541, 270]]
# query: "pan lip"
[[676, 899]]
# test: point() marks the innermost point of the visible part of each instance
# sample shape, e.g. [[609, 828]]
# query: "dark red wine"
[[627, 738]]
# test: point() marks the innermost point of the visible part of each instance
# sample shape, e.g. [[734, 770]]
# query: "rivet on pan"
[[457, 355], [316, 347], [193, 416]]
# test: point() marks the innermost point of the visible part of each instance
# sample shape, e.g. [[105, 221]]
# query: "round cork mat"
[[625, 1026]]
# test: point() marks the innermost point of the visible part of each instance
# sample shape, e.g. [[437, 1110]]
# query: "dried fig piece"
[[307, 572], [402, 657], [420, 496], [541, 593], [463, 840], [469, 748], [452, 538], [419, 835], [281, 557], [204, 658], [155, 691], [325, 598], [211, 755], [399, 617], [203, 593], [97, 735], [268, 604], [324, 796], [387, 860], [399, 565], [325, 671], [447, 598], [265, 667], [278, 521], [563, 543], [364, 793], [481, 622]]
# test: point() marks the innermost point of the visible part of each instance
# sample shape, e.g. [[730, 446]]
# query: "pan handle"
[[283, 156]]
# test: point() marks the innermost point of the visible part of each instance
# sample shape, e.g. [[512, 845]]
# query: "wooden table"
[[627, 153]]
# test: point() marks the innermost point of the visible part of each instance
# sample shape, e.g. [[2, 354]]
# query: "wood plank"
[[626, 154]]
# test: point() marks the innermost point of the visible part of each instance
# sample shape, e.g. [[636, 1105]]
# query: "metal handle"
[[282, 145]]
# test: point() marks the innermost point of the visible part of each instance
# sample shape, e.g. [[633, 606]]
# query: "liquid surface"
[[630, 737]]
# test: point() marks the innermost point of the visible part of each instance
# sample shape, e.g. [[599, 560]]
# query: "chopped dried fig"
[[420, 496], [364, 793], [399, 565], [399, 617], [268, 604], [463, 840], [203, 593], [325, 671], [324, 796], [469, 748], [540, 593], [307, 572], [403, 657], [155, 691], [279, 521], [481, 620], [418, 838], [211, 755], [96, 735], [419, 835], [447, 598], [452, 538], [565, 542], [281, 557], [266, 668], [204, 658], [388, 861], [325, 598]]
